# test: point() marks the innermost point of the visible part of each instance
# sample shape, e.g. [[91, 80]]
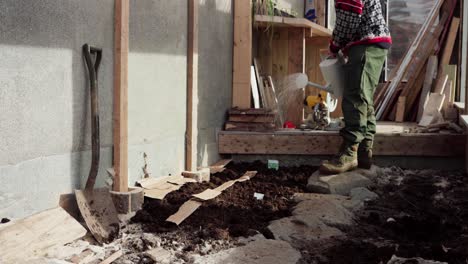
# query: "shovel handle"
[[95, 145]]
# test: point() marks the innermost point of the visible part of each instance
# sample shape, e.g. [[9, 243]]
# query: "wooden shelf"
[[315, 29]]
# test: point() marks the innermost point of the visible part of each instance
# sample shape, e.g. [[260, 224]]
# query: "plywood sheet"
[[33, 236]]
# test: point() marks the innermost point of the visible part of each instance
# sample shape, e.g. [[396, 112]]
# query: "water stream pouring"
[[332, 71]]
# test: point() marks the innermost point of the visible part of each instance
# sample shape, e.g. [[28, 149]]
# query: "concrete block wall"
[[44, 94], [157, 87], [214, 75], [44, 99]]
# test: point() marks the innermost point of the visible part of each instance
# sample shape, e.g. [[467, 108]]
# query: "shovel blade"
[[99, 213]]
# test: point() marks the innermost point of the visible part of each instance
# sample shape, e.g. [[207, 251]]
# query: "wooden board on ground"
[[189, 207], [160, 194], [152, 183], [184, 211], [207, 194], [219, 166], [112, 257], [33, 236]]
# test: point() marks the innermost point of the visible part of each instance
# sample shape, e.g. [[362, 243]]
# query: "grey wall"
[[44, 104], [157, 86], [214, 76], [44, 127]]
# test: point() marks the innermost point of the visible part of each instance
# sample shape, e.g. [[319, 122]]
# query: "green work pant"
[[362, 71]]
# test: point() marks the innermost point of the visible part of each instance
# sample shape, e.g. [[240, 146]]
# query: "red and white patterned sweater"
[[359, 22]]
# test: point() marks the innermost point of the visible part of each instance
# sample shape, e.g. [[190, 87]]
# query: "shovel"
[[96, 205]]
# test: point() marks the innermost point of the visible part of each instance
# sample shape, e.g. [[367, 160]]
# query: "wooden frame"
[[121, 95], [328, 143]]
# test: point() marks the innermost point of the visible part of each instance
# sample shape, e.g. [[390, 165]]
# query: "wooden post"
[[192, 85], [242, 54], [121, 96]]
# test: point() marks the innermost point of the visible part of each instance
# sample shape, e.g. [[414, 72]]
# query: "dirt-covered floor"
[[408, 214], [417, 214], [235, 213]]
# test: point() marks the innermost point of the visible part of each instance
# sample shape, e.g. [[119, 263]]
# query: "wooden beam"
[[328, 143], [121, 95], [192, 85], [450, 43], [242, 54], [430, 75]]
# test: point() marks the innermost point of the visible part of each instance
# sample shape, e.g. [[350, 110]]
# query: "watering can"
[[333, 73]]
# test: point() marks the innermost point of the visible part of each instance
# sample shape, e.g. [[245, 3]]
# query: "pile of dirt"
[[419, 214], [235, 213]]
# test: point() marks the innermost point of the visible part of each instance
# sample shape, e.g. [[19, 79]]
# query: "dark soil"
[[236, 212], [419, 214]]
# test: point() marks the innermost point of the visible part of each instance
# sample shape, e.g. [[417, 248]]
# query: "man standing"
[[362, 35]]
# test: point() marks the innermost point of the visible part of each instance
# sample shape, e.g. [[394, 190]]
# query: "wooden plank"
[[264, 51], [254, 87], [440, 84], [261, 87], [321, 13], [448, 94], [280, 58], [33, 236], [296, 64], [184, 211], [450, 42], [431, 72], [242, 54], [328, 143], [252, 118], [121, 95], [413, 96], [112, 257], [451, 71], [402, 70], [432, 109], [400, 112], [249, 111], [192, 85], [239, 126], [291, 22]]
